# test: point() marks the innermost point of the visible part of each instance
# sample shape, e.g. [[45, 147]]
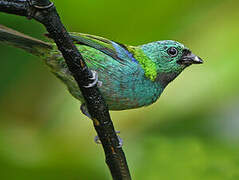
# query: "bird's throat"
[[165, 78]]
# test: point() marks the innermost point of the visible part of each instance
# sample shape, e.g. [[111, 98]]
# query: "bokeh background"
[[190, 133]]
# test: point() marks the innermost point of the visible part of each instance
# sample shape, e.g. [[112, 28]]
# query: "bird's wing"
[[115, 50], [112, 61]]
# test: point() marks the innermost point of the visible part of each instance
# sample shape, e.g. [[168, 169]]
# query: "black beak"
[[190, 58]]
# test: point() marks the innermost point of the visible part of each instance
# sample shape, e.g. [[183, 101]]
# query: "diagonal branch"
[[45, 12]]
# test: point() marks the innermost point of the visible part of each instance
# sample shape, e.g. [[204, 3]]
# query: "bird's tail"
[[27, 43]]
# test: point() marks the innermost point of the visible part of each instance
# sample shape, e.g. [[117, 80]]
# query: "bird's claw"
[[94, 78], [84, 110], [41, 6], [99, 84], [97, 140]]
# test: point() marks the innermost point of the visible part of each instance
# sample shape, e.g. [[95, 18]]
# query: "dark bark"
[[45, 12]]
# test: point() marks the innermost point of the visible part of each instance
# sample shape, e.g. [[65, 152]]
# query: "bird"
[[128, 77]]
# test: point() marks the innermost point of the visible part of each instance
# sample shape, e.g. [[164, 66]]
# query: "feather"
[[113, 49]]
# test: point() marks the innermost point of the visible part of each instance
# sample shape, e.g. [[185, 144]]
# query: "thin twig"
[[45, 12]]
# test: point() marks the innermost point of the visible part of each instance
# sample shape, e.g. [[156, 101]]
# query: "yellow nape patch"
[[149, 67]]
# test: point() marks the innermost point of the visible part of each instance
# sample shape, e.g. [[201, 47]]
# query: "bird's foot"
[[97, 139], [84, 110], [94, 78], [99, 84], [41, 6]]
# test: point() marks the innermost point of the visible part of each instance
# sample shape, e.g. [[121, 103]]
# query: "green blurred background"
[[191, 133]]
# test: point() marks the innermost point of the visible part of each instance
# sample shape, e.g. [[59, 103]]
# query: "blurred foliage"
[[190, 133]]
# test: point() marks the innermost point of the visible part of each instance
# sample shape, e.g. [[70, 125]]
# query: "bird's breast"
[[128, 92]]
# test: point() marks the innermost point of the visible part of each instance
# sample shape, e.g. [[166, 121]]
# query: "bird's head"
[[170, 57]]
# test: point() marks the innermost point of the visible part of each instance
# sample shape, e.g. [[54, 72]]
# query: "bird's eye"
[[172, 51]]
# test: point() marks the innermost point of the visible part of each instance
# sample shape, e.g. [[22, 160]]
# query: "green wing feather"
[[102, 44], [118, 52]]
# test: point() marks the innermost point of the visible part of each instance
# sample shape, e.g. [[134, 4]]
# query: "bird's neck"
[[149, 67], [152, 90]]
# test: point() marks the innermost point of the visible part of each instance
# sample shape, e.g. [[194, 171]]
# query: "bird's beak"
[[190, 58]]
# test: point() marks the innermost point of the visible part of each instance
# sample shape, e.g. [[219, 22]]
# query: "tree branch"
[[45, 12]]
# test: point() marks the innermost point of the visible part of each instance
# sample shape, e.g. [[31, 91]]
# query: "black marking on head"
[[186, 52]]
